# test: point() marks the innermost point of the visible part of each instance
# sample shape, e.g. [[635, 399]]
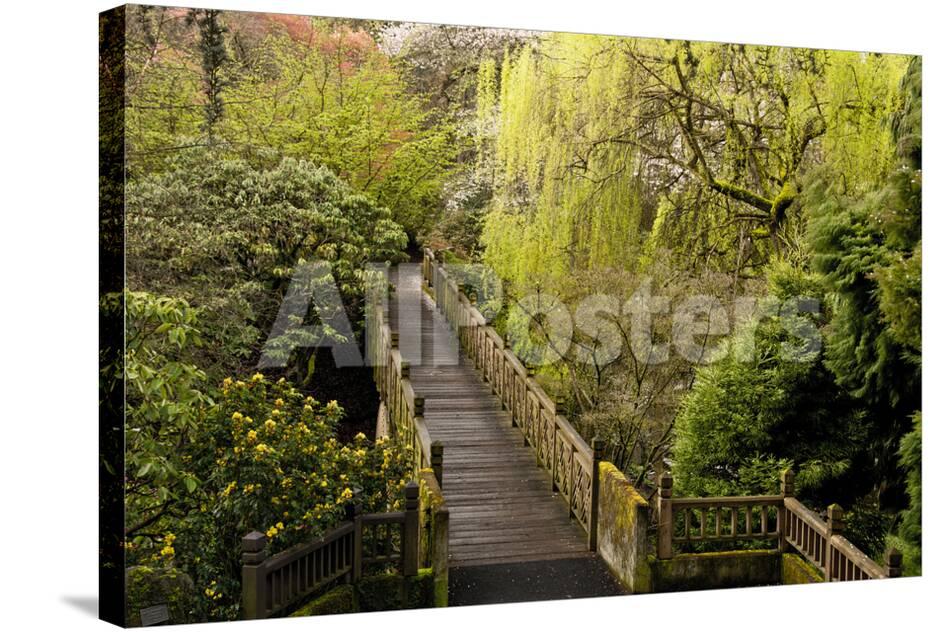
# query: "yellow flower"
[[332, 408], [237, 416], [262, 448], [257, 377], [271, 532], [251, 436], [278, 402], [280, 526], [227, 382], [347, 493], [228, 489], [360, 436], [307, 408], [270, 424], [169, 538], [167, 551]]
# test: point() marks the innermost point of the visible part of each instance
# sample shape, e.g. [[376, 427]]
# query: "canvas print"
[[399, 315]]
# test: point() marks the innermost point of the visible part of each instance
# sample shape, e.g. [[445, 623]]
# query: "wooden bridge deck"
[[502, 509]]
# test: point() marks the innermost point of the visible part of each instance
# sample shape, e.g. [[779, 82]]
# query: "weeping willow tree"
[[562, 203], [613, 151]]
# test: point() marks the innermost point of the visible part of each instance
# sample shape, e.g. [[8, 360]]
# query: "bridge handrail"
[[405, 407], [778, 517], [275, 584], [559, 448]]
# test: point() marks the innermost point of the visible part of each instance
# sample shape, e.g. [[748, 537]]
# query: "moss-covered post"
[[253, 546], [353, 513], [411, 536], [436, 461], [788, 491], [835, 527], [893, 559], [665, 518], [412, 438], [597, 452], [439, 556]]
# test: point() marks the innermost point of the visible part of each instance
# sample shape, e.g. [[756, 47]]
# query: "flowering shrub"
[[269, 461]]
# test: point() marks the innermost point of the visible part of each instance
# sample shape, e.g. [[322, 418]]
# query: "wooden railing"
[[558, 447], [782, 518], [405, 408], [274, 584]]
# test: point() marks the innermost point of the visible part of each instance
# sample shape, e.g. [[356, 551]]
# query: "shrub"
[[268, 459]]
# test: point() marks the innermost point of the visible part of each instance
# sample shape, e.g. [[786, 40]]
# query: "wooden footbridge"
[[510, 503], [503, 508]]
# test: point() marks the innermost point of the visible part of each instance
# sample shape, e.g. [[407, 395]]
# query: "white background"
[[48, 300]]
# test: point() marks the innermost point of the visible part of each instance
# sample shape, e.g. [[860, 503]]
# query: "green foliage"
[[315, 90], [267, 459], [610, 152], [752, 414], [148, 586], [388, 592], [559, 205], [908, 536], [164, 398], [227, 237], [866, 525], [868, 249], [337, 101], [339, 600]]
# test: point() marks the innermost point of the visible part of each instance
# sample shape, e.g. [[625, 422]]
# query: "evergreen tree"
[[868, 250], [214, 57]]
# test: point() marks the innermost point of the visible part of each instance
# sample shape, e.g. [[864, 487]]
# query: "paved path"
[[503, 515]]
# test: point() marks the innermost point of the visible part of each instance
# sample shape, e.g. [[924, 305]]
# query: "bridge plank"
[[502, 507]]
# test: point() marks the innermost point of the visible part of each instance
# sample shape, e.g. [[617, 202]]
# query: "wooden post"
[[395, 339], [835, 527], [253, 546], [553, 457], [353, 513], [894, 559], [524, 422], [411, 534], [597, 447], [788, 491], [436, 461], [665, 518], [788, 484], [439, 556]]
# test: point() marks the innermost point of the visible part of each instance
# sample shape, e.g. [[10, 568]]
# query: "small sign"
[[154, 614]]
